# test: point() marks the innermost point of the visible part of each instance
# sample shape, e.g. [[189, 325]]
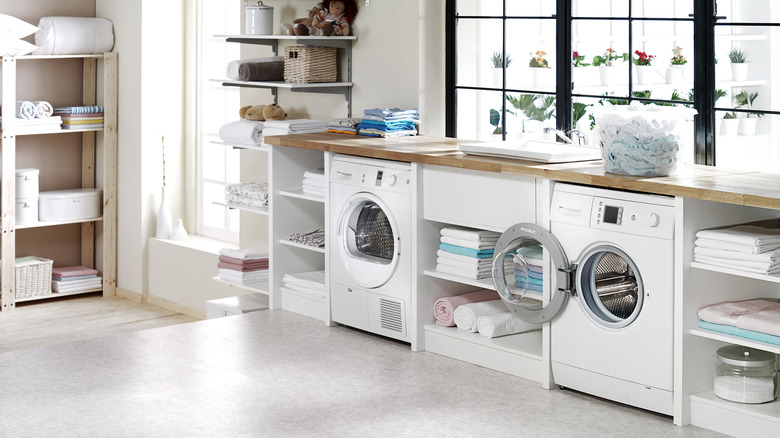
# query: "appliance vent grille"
[[391, 316]]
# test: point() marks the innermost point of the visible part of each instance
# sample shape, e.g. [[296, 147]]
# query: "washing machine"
[[608, 292], [370, 247]]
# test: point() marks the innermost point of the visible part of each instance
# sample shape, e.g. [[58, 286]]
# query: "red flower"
[[644, 58]]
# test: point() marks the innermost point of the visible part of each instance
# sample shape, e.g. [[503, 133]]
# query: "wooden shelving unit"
[[92, 242]]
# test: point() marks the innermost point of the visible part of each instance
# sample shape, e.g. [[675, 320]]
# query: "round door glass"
[[610, 287], [371, 234]]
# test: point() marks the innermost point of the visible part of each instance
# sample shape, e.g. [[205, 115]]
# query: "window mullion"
[[704, 81], [563, 100]]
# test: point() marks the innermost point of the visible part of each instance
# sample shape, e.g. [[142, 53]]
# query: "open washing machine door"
[[369, 244], [521, 296]]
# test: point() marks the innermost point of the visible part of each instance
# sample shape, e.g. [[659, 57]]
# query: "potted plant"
[[644, 68], [539, 68], [674, 72], [497, 64], [729, 126], [747, 124], [739, 66], [607, 67], [537, 110], [577, 73]]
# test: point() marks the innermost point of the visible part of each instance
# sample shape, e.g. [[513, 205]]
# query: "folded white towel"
[[243, 254], [741, 263], [25, 110], [297, 124], [465, 273], [318, 174], [469, 234], [502, 324], [269, 131], [767, 257], [485, 266], [243, 277], [468, 243], [738, 247], [744, 234], [242, 132], [729, 264], [299, 290], [313, 280], [467, 315]]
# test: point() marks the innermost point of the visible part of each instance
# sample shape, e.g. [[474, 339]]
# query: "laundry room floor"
[[278, 374]]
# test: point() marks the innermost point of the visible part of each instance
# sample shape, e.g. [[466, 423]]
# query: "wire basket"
[[305, 64], [33, 277]]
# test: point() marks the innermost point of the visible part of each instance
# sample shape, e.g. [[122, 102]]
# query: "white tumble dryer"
[[608, 282], [370, 247]]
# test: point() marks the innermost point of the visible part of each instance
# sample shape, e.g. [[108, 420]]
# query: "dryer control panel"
[[391, 180], [632, 217]]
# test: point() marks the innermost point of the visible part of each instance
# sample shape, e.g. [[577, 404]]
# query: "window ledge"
[[198, 243]]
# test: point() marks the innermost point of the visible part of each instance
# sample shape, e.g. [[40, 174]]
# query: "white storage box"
[[69, 205], [27, 183], [236, 305], [26, 211]]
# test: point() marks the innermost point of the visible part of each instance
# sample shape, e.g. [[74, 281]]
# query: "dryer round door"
[[609, 286], [520, 248], [369, 244]]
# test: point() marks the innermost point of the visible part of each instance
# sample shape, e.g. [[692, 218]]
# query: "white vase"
[[539, 77], [179, 233], [498, 77], [747, 125], [729, 127], [739, 71], [674, 74], [164, 218], [608, 75], [644, 74]]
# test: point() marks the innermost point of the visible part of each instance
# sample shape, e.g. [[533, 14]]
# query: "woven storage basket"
[[305, 64], [33, 277]]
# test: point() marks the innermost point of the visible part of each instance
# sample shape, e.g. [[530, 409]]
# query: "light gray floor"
[[277, 374]]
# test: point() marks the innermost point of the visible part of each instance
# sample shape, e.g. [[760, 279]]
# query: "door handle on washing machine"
[[563, 209], [340, 172]]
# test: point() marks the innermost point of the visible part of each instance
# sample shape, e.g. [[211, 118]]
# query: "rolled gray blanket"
[[261, 71]]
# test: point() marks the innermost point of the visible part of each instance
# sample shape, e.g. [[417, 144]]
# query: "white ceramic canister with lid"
[[259, 19]]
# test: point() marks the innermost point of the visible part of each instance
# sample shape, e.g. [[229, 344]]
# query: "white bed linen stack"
[[314, 182], [311, 284], [748, 248]]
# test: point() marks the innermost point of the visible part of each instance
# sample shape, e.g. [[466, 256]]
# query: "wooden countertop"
[[755, 189]]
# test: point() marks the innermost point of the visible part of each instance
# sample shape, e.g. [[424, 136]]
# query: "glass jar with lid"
[[745, 375]]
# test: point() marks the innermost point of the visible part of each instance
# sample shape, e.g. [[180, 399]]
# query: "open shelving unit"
[[98, 170]]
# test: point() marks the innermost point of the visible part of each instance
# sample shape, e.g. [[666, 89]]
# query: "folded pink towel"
[[757, 315], [243, 262], [72, 271], [444, 308]]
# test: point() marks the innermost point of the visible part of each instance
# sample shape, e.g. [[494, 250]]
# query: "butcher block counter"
[[756, 189]]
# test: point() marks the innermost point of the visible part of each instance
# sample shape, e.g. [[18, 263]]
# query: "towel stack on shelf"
[[384, 122], [528, 261], [748, 248], [466, 253], [314, 238], [308, 283], [248, 194], [756, 319], [73, 279], [344, 126], [242, 266], [81, 117], [314, 182], [294, 126]]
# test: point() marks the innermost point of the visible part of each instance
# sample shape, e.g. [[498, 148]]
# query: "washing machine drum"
[[369, 245], [606, 280]]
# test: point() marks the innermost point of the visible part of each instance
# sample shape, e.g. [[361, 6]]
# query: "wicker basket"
[[33, 277], [305, 64]]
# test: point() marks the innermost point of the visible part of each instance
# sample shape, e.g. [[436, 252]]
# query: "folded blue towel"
[[742, 333], [477, 253], [531, 286], [379, 126], [79, 110], [534, 252], [391, 112], [389, 124], [520, 279], [531, 273]]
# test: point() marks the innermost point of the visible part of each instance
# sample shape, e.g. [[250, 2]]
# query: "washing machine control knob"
[[654, 220], [391, 180]]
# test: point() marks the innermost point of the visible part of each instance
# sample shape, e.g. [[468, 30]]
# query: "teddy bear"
[[334, 18], [300, 25], [260, 113]]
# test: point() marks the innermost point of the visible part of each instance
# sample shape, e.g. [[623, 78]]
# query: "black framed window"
[[518, 67]]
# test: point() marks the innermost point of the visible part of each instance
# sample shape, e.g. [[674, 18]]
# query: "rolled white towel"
[[42, 109], [25, 110], [242, 132], [466, 316], [502, 324]]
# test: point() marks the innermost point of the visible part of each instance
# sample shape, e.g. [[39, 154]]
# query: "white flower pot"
[[747, 125], [739, 71], [644, 74], [608, 75], [674, 74], [729, 127], [498, 77], [540, 77]]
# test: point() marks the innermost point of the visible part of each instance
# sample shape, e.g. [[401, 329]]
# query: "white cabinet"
[[98, 169], [486, 201], [703, 285]]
